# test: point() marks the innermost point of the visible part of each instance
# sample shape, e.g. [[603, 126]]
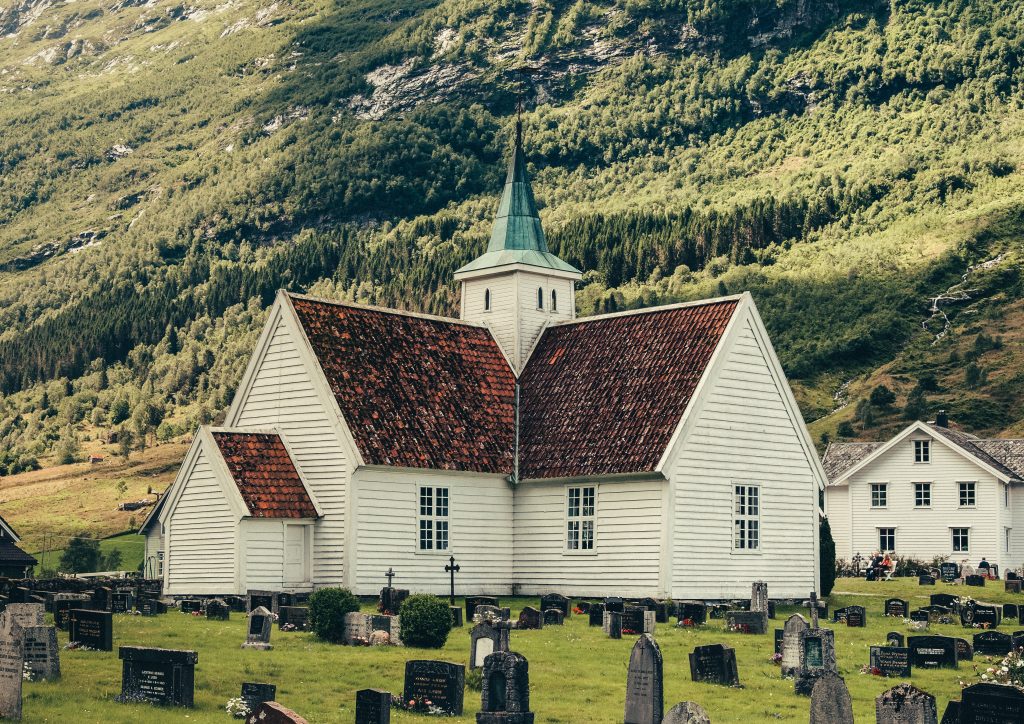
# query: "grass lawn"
[[576, 673]]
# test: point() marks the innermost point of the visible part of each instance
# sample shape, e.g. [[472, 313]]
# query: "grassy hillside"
[[164, 168]]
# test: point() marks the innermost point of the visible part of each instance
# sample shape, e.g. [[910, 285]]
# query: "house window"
[[961, 540], [540, 298], [159, 564], [747, 517], [922, 495], [887, 540], [579, 527], [879, 495], [1006, 496], [487, 300], [967, 495], [554, 301], [922, 451], [433, 519]]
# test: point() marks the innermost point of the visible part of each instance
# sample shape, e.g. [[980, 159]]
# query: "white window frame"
[[160, 564], [922, 452], [554, 300], [437, 521], [953, 537], [972, 491], [487, 300], [742, 518], [926, 489], [884, 490], [878, 531], [581, 519]]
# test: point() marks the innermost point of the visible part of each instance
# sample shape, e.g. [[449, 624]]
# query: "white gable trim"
[[10, 531], [224, 477], [922, 428], [255, 362], [173, 491]]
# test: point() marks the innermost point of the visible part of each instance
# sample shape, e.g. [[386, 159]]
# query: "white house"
[[929, 491], [657, 452]]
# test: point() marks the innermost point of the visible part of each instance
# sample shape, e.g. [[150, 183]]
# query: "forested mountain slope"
[[166, 166]]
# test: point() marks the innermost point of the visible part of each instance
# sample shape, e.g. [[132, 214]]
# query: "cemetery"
[[149, 668]]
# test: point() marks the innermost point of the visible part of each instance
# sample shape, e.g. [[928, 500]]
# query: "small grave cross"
[[452, 568], [857, 560], [389, 575], [813, 604]]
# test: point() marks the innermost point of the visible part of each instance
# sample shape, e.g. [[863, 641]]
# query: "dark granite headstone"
[[839, 615], [555, 600], [920, 616], [780, 635], [189, 605], [949, 571], [750, 622], [891, 660], [894, 638], [596, 614], [644, 683], [897, 607], [159, 676], [693, 611], [952, 713], [830, 701], [553, 617], [945, 599], [94, 629], [456, 616], [373, 706], [151, 606], [991, 704], [254, 694], [856, 617], [988, 615], [931, 652], [298, 616], [924, 580], [1011, 610], [1012, 585], [257, 598], [714, 664], [441, 682], [217, 610], [473, 601], [975, 580], [633, 620], [992, 643], [614, 604], [390, 601], [964, 650], [614, 624], [505, 690], [121, 602], [905, 704], [530, 618]]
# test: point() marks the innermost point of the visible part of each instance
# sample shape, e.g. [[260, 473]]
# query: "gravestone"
[[188, 605], [270, 712], [988, 614], [12, 666], [614, 626], [1018, 639], [661, 612], [779, 637], [759, 597], [949, 571], [373, 706], [644, 683], [441, 682], [217, 610], [1011, 610], [42, 656], [964, 650], [817, 658], [27, 614], [894, 638], [714, 664], [596, 614], [1012, 585], [505, 691], [794, 625], [258, 630], [553, 617], [633, 620], [991, 703], [992, 643], [121, 601], [925, 580], [555, 600], [266, 599], [390, 601], [905, 704], [254, 694], [891, 661], [694, 611], [92, 629], [897, 607], [749, 622], [932, 652], [530, 618], [456, 616], [484, 639], [473, 601], [151, 606], [945, 599], [856, 617], [839, 614], [483, 612], [297, 616], [686, 712], [63, 603], [614, 604], [159, 676], [974, 580], [237, 603], [830, 701], [952, 713]]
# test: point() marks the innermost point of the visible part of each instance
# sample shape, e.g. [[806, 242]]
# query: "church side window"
[[540, 297], [433, 519], [747, 517], [580, 514], [554, 301], [487, 300]]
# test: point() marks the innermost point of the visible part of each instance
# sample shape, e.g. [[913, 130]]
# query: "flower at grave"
[[237, 708], [26, 672], [288, 627], [629, 632], [776, 659], [197, 613], [577, 610], [686, 622]]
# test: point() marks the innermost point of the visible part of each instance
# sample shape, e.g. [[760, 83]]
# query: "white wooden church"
[[656, 452]]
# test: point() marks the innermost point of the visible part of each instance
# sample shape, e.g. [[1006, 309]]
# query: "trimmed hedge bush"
[[426, 621], [327, 609]]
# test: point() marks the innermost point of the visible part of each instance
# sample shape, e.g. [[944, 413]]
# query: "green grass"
[[576, 673]]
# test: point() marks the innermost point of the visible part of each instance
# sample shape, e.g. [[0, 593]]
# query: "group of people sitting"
[[881, 567]]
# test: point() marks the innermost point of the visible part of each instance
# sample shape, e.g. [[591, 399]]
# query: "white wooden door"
[[294, 553]]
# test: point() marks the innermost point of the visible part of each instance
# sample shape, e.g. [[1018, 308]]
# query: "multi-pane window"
[[961, 540], [159, 564], [579, 531], [747, 517], [922, 451], [879, 495], [433, 519], [922, 495], [887, 540], [967, 494]]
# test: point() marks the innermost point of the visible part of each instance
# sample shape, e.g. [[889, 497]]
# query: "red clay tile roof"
[[265, 475], [604, 396], [416, 392]]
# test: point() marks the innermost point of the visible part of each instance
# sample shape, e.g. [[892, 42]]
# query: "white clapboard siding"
[[837, 508], [154, 543], [742, 432], [202, 535], [480, 532], [501, 319], [282, 395], [1015, 557], [262, 550], [924, 533], [533, 319], [627, 541]]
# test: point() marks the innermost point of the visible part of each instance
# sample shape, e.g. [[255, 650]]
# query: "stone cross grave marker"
[[373, 706], [644, 683], [441, 682], [258, 632], [505, 692], [12, 666], [830, 701], [905, 704], [159, 676], [452, 568]]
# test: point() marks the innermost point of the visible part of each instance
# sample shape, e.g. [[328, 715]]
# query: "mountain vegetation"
[[166, 167]]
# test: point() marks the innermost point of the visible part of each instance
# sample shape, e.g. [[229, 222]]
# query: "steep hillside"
[[164, 167]]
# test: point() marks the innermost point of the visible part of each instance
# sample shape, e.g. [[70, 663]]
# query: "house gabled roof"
[[415, 391], [841, 456], [9, 530], [11, 554], [266, 477], [604, 395]]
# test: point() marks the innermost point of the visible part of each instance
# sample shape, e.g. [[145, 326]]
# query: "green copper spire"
[[517, 236]]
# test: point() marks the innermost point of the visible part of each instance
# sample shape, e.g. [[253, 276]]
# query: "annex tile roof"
[[265, 475], [416, 391], [605, 395], [841, 456]]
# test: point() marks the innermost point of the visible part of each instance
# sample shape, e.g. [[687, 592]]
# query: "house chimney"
[[942, 419]]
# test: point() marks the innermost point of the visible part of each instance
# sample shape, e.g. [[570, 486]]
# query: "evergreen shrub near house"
[[327, 609], [426, 621], [827, 556]]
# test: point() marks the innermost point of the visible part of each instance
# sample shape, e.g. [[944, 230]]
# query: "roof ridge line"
[[648, 310], [386, 310]]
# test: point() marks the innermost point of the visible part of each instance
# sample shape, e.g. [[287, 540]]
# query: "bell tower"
[[517, 287]]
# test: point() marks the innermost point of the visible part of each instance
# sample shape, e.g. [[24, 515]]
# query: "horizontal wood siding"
[[501, 319], [480, 532], [1015, 557], [154, 542], [627, 541], [202, 535], [263, 555], [837, 508], [283, 396], [924, 533], [532, 319], [743, 432]]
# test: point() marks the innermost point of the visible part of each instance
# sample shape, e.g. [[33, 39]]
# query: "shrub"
[[426, 621], [882, 396], [845, 429], [827, 558], [327, 609]]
